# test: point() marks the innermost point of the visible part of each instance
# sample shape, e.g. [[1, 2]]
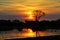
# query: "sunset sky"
[[19, 8]]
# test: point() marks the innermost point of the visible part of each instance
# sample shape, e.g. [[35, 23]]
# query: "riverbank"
[[39, 38]]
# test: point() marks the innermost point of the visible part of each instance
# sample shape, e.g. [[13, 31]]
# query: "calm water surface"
[[25, 33]]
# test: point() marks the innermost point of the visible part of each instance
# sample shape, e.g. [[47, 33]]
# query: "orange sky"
[[22, 7]]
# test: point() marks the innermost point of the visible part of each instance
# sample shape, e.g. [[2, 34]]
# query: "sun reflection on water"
[[25, 33], [28, 33]]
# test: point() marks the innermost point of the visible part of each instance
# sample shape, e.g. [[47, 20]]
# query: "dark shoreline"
[[39, 38]]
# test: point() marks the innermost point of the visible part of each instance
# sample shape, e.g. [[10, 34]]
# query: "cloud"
[[18, 7]]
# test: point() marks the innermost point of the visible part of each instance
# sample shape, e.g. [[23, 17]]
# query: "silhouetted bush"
[[35, 25]]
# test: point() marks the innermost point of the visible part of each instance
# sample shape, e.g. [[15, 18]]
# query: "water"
[[25, 33]]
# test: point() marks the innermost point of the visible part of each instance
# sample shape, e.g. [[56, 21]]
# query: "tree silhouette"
[[38, 14]]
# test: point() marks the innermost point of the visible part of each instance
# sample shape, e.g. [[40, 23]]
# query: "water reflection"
[[28, 33], [25, 33]]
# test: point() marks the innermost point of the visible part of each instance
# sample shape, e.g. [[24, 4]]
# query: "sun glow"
[[27, 30], [30, 30], [30, 15]]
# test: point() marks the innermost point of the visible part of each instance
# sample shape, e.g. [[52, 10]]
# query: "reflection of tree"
[[38, 14]]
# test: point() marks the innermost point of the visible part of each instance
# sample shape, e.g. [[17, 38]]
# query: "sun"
[[30, 15]]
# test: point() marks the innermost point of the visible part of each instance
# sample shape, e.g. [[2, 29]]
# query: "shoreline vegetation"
[[6, 25]]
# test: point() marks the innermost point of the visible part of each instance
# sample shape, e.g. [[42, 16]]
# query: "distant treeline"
[[35, 25]]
